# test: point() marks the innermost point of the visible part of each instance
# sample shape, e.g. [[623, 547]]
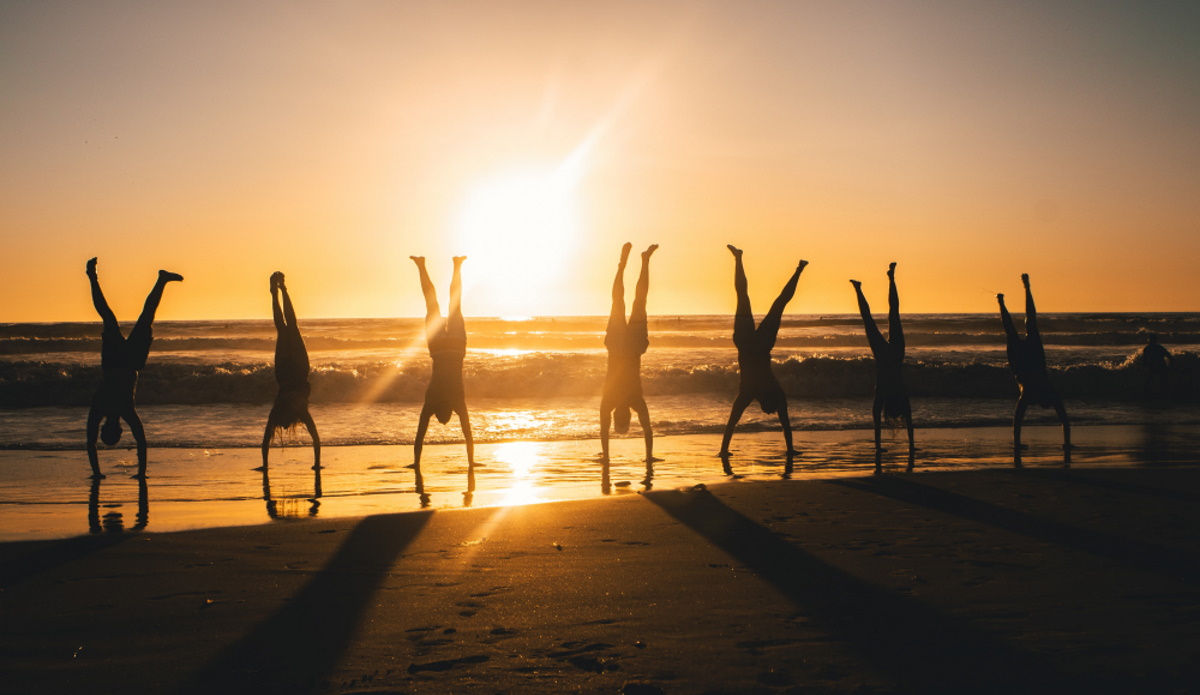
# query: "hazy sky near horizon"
[[970, 142]]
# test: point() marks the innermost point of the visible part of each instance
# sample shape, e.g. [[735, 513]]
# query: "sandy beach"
[[1045, 579]]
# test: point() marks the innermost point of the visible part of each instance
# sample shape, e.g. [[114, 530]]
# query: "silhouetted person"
[[447, 340], [754, 344], [891, 398], [121, 358], [1157, 361], [1027, 358], [626, 343], [291, 373]]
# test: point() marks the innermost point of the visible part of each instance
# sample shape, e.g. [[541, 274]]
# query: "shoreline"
[[48, 495]]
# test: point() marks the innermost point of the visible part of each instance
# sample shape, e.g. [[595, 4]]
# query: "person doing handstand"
[[754, 344], [447, 340], [291, 373], [121, 358], [1027, 359], [891, 398], [626, 343]]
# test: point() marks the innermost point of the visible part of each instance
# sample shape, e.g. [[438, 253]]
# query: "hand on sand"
[[652, 459], [98, 476]]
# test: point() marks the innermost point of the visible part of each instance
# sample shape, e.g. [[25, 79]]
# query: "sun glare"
[[521, 458], [518, 228]]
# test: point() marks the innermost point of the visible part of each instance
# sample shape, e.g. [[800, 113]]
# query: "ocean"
[[211, 383]]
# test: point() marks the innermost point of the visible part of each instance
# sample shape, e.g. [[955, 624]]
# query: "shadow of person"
[[291, 373], [114, 521], [121, 359], [290, 510]]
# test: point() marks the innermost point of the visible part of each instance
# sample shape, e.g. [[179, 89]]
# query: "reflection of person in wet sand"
[[626, 343], [291, 373], [447, 340], [891, 398], [1027, 358], [754, 344], [120, 360]]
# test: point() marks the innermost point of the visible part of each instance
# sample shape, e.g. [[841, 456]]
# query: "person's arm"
[[316, 439], [93, 432]]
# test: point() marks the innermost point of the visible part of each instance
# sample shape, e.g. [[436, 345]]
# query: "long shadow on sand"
[[295, 649], [924, 650], [1136, 554]]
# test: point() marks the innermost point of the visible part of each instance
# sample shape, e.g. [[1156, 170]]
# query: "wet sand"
[[1002, 580]]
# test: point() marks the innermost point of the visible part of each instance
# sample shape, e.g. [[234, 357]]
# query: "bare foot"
[[1025, 280], [419, 260], [801, 265], [459, 259], [857, 284], [625, 249], [168, 276], [91, 268], [737, 253], [649, 252], [276, 279], [892, 269], [1000, 297]]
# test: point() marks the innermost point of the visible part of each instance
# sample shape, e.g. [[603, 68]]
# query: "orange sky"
[[226, 140]]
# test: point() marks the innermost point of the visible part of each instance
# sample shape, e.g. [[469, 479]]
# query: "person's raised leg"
[[743, 318], [152, 301], [456, 324], [769, 328], [642, 290], [276, 309], [98, 300], [874, 337], [433, 313], [895, 329], [1031, 325], [616, 315]]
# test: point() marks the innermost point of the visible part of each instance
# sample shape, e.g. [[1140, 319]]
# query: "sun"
[[519, 228]]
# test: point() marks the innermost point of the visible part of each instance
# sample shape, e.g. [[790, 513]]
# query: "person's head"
[[110, 431], [771, 399], [621, 418], [1153, 338], [442, 412]]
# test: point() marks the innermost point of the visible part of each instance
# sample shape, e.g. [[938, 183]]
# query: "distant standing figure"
[[754, 344], [291, 373], [1157, 360], [121, 358], [1027, 358], [891, 398], [626, 343], [447, 340]]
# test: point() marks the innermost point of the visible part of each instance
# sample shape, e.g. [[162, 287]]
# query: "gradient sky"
[[970, 142]]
